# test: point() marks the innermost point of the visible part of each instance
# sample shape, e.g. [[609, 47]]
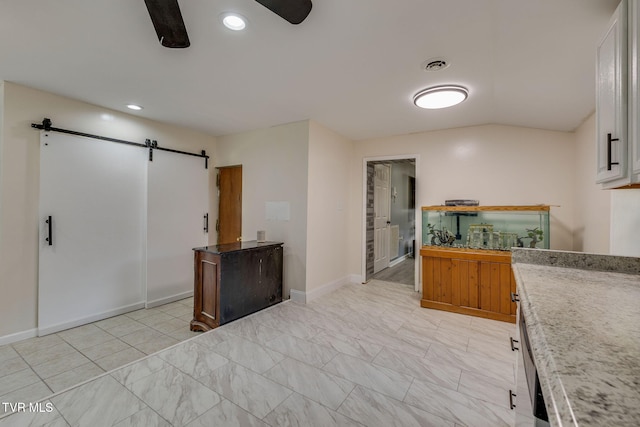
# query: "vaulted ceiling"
[[352, 65]]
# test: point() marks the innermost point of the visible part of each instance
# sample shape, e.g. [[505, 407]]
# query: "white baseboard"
[[298, 296], [356, 278], [51, 329], [18, 336], [167, 300], [305, 297], [398, 260]]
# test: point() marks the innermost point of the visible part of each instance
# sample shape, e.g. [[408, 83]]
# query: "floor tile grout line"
[[106, 372]]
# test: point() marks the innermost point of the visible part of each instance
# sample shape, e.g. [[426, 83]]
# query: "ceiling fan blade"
[[294, 11], [167, 20]]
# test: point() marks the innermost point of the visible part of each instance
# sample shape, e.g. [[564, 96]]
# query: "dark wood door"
[[230, 204]]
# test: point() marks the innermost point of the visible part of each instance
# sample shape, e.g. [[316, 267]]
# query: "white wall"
[[625, 222], [327, 216], [592, 204], [274, 169], [498, 165], [19, 182]]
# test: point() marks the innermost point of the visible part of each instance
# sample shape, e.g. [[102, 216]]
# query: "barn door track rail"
[[150, 144]]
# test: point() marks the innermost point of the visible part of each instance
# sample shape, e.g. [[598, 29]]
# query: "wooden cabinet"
[[467, 281], [234, 280]]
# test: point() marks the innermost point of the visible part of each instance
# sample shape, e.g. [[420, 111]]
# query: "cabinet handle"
[[514, 348], [511, 396], [609, 141], [514, 297], [49, 223]]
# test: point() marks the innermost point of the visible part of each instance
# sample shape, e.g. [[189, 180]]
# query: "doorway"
[[229, 224], [398, 234]]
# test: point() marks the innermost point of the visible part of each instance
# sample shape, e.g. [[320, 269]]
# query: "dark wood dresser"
[[233, 280]]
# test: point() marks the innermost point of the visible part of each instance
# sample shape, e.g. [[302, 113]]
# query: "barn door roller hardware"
[[151, 144]]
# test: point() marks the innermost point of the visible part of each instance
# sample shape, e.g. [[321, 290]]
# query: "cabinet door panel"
[[427, 269], [634, 90], [437, 291], [457, 280], [505, 288], [445, 280], [611, 100], [485, 286], [495, 287], [514, 306], [473, 284], [209, 280]]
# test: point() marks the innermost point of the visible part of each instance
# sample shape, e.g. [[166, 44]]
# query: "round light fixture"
[[234, 21], [440, 97], [134, 107]]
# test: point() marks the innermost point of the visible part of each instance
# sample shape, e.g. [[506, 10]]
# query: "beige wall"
[[19, 182], [328, 189], [498, 165], [592, 210], [274, 168]]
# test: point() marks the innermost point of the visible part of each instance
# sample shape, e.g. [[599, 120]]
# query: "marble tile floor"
[[364, 355], [38, 367]]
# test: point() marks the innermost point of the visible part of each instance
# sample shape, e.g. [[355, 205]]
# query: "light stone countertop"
[[584, 329]]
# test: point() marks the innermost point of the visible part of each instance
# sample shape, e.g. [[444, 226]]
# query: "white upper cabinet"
[[634, 90], [611, 102]]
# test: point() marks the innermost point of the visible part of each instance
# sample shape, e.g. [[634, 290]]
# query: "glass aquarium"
[[486, 227]]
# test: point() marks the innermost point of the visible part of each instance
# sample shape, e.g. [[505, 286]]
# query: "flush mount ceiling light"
[[233, 21], [134, 107], [440, 97]]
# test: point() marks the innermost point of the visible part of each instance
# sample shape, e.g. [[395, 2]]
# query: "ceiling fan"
[[171, 31]]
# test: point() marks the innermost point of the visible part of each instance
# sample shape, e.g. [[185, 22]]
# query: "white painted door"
[[92, 266], [382, 216], [178, 201]]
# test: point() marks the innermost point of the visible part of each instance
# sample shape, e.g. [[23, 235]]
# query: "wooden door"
[[229, 224], [382, 212]]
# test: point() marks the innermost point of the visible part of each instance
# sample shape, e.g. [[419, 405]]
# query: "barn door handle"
[[49, 237], [206, 223]]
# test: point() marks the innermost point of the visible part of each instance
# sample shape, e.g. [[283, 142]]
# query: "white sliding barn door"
[[95, 193], [178, 200]]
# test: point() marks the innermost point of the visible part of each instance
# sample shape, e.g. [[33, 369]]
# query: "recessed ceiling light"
[[134, 107], [440, 97], [234, 21]]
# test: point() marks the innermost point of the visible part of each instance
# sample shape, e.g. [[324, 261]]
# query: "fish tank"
[[486, 227]]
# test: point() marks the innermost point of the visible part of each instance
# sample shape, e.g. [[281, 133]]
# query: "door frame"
[[417, 218]]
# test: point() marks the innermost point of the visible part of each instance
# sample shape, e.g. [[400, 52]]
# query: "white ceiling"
[[352, 65]]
